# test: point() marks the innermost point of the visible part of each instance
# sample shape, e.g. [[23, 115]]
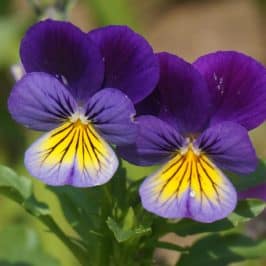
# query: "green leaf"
[[129, 220], [21, 246], [81, 208], [245, 211], [87, 209], [19, 189], [130, 228], [242, 182], [122, 234], [9, 179], [220, 250]]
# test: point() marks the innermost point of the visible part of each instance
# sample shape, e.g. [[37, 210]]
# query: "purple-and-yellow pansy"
[[196, 125], [80, 87]]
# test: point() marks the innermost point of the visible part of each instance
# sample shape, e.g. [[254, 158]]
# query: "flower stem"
[[107, 194], [80, 253]]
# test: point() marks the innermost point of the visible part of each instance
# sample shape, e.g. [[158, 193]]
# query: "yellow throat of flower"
[[189, 171]]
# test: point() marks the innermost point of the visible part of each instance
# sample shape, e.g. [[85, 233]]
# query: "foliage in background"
[[108, 220], [113, 12], [113, 229]]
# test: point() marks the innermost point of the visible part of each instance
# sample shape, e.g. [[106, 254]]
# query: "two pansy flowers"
[[192, 119]]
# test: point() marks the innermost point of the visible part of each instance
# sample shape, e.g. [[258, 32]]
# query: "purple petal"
[[237, 85], [156, 142], [183, 94], [39, 101], [228, 144], [189, 187], [63, 50], [151, 105], [258, 192], [112, 113], [130, 64], [72, 154]]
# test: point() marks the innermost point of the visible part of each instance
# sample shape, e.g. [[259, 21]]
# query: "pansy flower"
[[201, 115], [79, 88]]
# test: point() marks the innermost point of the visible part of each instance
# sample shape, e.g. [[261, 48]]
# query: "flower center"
[[79, 118], [189, 171], [189, 149]]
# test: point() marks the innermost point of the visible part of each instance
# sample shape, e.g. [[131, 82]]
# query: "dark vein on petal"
[[173, 164], [214, 185], [199, 180], [62, 130]]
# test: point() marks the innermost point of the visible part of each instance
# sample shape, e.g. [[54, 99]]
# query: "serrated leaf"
[[220, 250], [35, 207], [9, 179], [129, 220], [19, 189], [22, 246], [83, 208], [245, 211], [121, 234]]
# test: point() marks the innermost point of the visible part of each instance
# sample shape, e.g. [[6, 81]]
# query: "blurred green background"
[[187, 28]]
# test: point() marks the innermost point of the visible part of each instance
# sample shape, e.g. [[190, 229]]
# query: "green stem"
[[77, 250], [170, 246], [105, 247], [107, 194], [80, 253], [106, 243]]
